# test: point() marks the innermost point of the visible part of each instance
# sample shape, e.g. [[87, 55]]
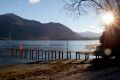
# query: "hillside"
[[23, 29]]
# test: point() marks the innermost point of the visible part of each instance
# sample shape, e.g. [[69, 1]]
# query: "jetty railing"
[[47, 55]]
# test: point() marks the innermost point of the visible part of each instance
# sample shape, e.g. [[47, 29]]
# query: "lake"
[[72, 45]]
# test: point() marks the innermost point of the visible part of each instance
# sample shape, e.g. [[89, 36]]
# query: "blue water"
[[78, 45]]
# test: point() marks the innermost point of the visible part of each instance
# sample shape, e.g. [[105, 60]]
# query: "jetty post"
[[79, 54], [38, 54], [55, 54], [62, 55], [76, 55], [52, 54], [59, 55]]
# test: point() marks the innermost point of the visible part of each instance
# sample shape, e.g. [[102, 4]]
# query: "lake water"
[[77, 45]]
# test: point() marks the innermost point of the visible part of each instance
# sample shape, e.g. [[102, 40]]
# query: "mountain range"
[[90, 35], [24, 29]]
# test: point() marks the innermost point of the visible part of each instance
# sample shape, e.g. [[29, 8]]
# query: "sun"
[[108, 18]]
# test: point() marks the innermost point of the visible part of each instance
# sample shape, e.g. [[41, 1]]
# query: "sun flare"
[[108, 18]]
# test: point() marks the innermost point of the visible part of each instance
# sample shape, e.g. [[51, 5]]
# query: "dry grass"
[[31, 70], [57, 71]]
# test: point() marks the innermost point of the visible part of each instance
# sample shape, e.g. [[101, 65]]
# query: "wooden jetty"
[[48, 55]]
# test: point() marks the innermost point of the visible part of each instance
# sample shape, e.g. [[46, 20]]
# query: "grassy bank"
[[26, 71], [57, 71]]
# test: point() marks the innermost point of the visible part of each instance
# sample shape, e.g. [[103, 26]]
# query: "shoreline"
[[37, 68], [57, 70]]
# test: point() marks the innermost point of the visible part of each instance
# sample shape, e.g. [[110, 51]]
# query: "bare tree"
[[81, 6]]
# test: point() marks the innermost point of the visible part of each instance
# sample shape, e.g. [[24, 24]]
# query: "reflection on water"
[[79, 45], [54, 45]]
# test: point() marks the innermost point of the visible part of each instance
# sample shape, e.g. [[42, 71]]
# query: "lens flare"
[[108, 51], [108, 18]]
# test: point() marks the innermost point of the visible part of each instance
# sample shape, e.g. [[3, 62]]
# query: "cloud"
[[34, 1]]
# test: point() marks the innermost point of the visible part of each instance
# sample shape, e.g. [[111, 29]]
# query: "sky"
[[46, 11]]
